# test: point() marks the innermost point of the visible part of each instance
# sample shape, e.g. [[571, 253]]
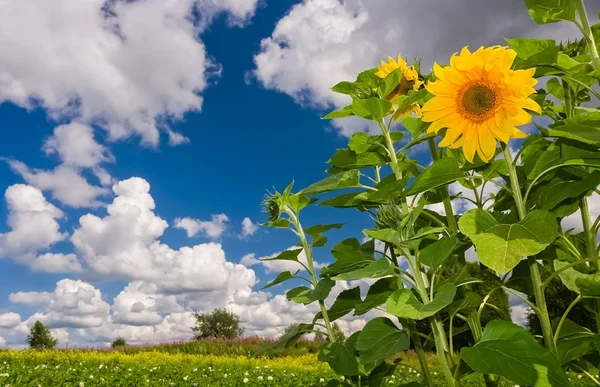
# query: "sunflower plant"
[[508, 162]]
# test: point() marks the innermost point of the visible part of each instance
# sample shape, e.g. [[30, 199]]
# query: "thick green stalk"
[[444, 193], [588, 35], [536, 278], [309, 259], [590, 245]]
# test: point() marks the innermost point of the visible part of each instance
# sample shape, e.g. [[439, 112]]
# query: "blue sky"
[[210, 103]]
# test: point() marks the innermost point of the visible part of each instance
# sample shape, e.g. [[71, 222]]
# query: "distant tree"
[[218, 324], [558, 299], [40, 337], [119, 342], [338, 334], [319, 337]]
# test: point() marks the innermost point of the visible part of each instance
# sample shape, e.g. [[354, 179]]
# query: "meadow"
[[217, 363]]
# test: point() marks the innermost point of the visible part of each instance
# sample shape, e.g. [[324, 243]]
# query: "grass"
[[216, 363]]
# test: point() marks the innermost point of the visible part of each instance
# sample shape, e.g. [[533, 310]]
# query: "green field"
[[171, 366]]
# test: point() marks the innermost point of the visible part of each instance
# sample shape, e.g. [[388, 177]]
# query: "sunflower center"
[[478, 100]]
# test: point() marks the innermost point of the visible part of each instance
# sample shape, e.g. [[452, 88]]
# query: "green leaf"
[[380, 339], [510, 351], [371, 108], [288, 255], [341, 357], [403, 303], [375, 269], [279, 223], [321, 228], [286, 340], [391, 81], [361, 142], [284, 276], [557, 191], [574, 341], [471, 300], [348, 159], [385, 235], [300, 295], [590, 285], [570, 276], [298, 202], [404, 101], [500, 246], [344, 303], [322, 290], [440, 173], [347, 179], [341, 113], [349, 255], [533, 52], [415, 126], [551, 11], [436, 253], [584, 128], [377, 295], [344, 87]]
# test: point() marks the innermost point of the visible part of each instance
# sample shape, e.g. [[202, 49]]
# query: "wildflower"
[[185, 377], [245, 380], [81, 384], [269, 378], [480, 100], [260, 377], [322, 380], [409, 81]]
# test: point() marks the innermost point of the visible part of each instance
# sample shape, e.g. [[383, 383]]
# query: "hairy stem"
[[590, 245], [536, 278], [588, 35]]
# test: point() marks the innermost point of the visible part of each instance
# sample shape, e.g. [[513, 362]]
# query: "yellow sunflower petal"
[[486, 146]]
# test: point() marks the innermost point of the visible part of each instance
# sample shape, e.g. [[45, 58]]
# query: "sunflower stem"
[[588, 35], [536, 278], [590, 244], [451, 219], [311, 269]]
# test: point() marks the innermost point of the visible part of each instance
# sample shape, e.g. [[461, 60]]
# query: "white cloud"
[[32, 221], [9, 320], [142, 304], [124, 244], [65, 183], [213, 228], [72, 304], [75, 145], [128, 67], [321, 42], [57, 263], [248, 228]]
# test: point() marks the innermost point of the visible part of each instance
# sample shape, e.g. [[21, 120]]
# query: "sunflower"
[[409, 81], [480, 100]]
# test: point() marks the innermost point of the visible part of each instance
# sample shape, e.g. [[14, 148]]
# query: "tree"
[[558, 299], [338, 334], [218, 324], [119, 342], [40, 337]]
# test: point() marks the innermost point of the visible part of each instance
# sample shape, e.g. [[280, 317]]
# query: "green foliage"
[[415, 258], [220, 323], [40, 337], [119, 342]]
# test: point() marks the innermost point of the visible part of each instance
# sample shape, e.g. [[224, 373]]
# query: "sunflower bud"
[[271, 205]]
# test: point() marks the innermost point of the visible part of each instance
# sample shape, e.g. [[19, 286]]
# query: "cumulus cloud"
[[248, 228], [32, 221], [213, 228], [321, 42], [56, 263], [124, 244], [72, 304], [132, 68], [9, 320], [75, 145], [141, 303], [64, 182]]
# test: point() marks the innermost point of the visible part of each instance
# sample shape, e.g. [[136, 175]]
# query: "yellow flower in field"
[[480, 100], [409, 81]]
